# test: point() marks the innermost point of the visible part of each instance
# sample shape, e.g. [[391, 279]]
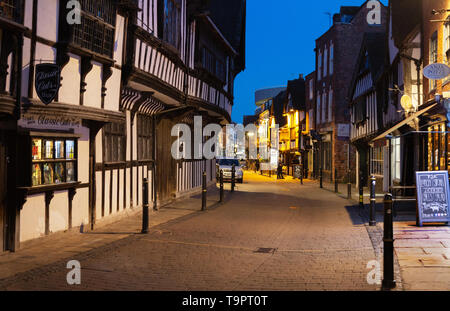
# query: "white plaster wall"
[[92, 97], [134, 187], [47, 19], [107, 187], [112, 98], [32, 218], [121, 187], [128, 120], [69, 93], [99, 147], [28, 13], [8, 78], [59, 212], [98, 202], [26, 65], [118, 41], [114, 191], [44, 53], [128, 189], [83, 154], [80, 207]]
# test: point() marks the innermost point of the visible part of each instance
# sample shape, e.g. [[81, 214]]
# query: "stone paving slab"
[[66, 245], [321, 244]]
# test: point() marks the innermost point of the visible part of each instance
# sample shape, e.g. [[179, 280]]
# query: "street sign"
[[47, 82], [436, 71], [433, 197]]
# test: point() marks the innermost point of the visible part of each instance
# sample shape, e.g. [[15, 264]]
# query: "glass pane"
[[59, 173], [70, 172], [48, 173], [36, 175], [70, 149], [59, 152], [36, 149], [48, 153]]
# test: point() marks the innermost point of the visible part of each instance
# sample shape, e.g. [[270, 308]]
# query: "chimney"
[[300, 76]]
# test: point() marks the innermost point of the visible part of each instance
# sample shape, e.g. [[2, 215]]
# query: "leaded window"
[[96, 30], [114, 142], [172, 22], [145, 138]]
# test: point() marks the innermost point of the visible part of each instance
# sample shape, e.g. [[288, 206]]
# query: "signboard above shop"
[[433, 197], [436, 71]]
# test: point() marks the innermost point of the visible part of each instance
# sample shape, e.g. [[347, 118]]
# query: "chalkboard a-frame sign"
[[433, 197]]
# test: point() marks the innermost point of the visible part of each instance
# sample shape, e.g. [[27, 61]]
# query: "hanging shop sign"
[[47, 82], [433, 197], [436, 71]]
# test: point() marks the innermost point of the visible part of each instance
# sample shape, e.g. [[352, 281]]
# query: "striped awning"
[[146, 104]]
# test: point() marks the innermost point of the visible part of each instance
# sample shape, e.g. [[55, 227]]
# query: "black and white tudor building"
[[130, 71]]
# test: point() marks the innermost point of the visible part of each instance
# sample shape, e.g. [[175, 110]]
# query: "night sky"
[[280, 44]]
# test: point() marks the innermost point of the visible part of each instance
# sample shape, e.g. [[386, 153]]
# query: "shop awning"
[[147, 104], [404, 122]]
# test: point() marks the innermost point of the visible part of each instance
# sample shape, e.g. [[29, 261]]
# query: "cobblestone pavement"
[[271, 235]]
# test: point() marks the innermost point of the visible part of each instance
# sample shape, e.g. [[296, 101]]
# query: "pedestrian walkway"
[[269, 235], [65, 245]]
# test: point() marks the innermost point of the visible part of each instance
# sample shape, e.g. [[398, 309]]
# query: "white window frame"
[[324, 107], [330, 105], [331, 58], [396, 158], [319, 62], [318, 108]]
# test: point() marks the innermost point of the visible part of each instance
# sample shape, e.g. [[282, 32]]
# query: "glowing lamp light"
[[406, 103]]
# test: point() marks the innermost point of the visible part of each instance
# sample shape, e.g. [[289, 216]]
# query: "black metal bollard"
[[373, 201], [321, 178], [361, 190], [349, 185], [221, 186], [204, 192], [145, 213], [336, 187], [233, 177], [388, 252], [301, 174]]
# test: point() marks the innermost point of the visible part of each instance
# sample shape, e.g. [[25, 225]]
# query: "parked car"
[[226, 165]]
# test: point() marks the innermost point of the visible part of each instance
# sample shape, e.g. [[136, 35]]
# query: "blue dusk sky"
[[280, 44]]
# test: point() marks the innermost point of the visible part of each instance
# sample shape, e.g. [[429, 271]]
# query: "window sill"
[[53, 187]]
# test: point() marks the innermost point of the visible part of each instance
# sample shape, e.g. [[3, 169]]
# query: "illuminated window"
[[396, 158], [433, 56], [53, 161]]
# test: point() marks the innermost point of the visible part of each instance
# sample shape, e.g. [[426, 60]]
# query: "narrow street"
[[269, 235]]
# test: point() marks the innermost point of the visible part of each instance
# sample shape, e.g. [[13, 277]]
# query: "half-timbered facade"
[[367, 104], [179, 64], [12, 30], [123, 73]]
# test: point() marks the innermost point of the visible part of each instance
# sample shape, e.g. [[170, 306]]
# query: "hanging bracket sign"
[[436, 71], [47, 82], [433, 197]]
